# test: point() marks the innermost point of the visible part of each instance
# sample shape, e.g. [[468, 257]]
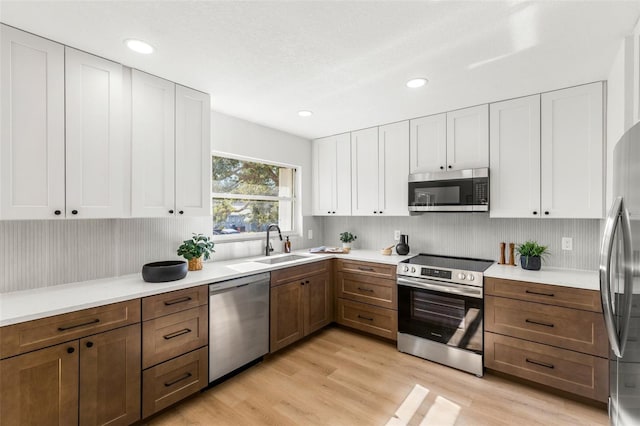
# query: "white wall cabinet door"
[[468, 138], [393, 160], [152, 146], [572, 152], [94, 137], [514, 164], [193, 152], [332, 175], [32, 121], [428, 144], [364, 172]]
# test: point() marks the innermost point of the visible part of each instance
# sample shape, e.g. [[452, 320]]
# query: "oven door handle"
[[460, 289]]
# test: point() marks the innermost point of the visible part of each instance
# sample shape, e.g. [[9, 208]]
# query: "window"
[[247, 196]]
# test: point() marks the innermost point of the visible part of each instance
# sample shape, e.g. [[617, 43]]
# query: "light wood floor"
[[338, 377]]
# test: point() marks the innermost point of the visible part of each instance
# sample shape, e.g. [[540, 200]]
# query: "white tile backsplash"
[[474, 235]]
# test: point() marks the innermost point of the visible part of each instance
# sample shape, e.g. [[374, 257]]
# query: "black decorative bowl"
[[160, 272]]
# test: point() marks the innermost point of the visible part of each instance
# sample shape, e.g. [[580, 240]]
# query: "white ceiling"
[[345, 61]]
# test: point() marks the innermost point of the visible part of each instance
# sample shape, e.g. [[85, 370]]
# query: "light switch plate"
[[567, 243], [310, 234], [396, 235]]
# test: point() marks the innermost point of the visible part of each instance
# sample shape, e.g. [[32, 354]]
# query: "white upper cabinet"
[[468, 138], [193, 152], [32, 121], [393, 163], [547, 155], [94, 137], [379, 170], [571, 149], [454, 140], [514, 164], [428, 143], [332, 175], [364, 172], [152, 146]]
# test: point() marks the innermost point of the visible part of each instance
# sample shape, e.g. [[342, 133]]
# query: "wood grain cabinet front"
[[301, 302], [92, 381], [367, 297], [547, 334], [175, 351]]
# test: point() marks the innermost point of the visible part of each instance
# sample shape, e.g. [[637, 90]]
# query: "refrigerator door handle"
[[617, 338]]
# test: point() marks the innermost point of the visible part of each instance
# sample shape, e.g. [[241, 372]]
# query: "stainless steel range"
[[440, 310]]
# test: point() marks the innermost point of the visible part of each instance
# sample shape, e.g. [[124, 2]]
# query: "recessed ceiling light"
[[417, 82], [139, 46], [304, 113]]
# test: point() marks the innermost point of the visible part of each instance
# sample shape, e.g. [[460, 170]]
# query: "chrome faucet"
[[269, 247]]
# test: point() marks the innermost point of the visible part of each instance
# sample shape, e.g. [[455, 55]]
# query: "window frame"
[[296, 213]]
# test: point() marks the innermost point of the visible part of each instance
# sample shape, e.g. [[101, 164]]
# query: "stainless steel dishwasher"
[[238, 323]]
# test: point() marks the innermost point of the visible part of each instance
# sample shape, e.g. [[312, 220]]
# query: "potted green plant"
[[347, 238], [195, 249], [531, 254]]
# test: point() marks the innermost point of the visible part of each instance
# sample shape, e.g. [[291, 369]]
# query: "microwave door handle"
[[606, 250]]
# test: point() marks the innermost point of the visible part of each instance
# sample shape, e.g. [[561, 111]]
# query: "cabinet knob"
[[170, 211], [74, 211], [333, 212], [535, 212], [301, 282], [375, 212], [546, 213], [380, 212], [449, 166], [57, 212], [328, 212], [89, 344], [70, 350], [441, 167], [181, 212], [306, 282]]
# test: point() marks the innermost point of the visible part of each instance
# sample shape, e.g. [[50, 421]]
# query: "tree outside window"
[[248, 196]]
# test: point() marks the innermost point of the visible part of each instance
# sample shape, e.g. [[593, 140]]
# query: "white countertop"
[[21, 306], [587, 280]]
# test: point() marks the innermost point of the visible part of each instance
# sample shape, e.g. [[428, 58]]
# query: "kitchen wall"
[[474, 235]]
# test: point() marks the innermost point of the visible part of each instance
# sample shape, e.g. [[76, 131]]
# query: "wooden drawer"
[[174, 380], [282, 276], [577, 373], [368, 289], [172, 335], [368, 268], [37, 334], [553, 325], [372, 319], [588, 300], [175, 301]]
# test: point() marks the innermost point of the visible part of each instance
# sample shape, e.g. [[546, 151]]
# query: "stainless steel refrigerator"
[[620, 282]]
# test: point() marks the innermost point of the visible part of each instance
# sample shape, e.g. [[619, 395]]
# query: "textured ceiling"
[[345, 61]]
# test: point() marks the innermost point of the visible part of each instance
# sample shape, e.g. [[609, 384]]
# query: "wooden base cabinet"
[[301, 302], [547, 334], [77, 368], [367, 297]]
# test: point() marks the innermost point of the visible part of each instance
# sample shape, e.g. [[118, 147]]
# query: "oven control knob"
[[471, 277], [461, 276], [405, 269], [413, 269]]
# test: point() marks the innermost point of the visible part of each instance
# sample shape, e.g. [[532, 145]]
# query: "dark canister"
[[403, 246]]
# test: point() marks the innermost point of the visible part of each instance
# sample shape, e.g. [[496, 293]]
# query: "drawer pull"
[[541, 364], [69, 327], [365, 318], [539, 294], [177, 333], [174, 301], [365, 289], [179, 379], [366, 268], [546, 324], [435, 334]]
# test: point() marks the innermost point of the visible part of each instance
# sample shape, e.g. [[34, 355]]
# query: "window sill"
[[258, 236]]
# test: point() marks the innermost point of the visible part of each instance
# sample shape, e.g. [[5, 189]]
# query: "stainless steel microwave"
[[451, 191]]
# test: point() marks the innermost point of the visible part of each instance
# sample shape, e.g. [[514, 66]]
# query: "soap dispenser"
[[287, 246]]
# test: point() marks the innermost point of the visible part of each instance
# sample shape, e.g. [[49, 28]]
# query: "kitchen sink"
[[280, 259]]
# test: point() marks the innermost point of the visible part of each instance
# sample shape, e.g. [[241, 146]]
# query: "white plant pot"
[[346, 245]]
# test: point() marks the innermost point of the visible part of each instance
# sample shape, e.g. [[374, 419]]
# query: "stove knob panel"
[[461, 276]]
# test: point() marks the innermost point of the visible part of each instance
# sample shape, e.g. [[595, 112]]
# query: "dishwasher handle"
[[225, 286]]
